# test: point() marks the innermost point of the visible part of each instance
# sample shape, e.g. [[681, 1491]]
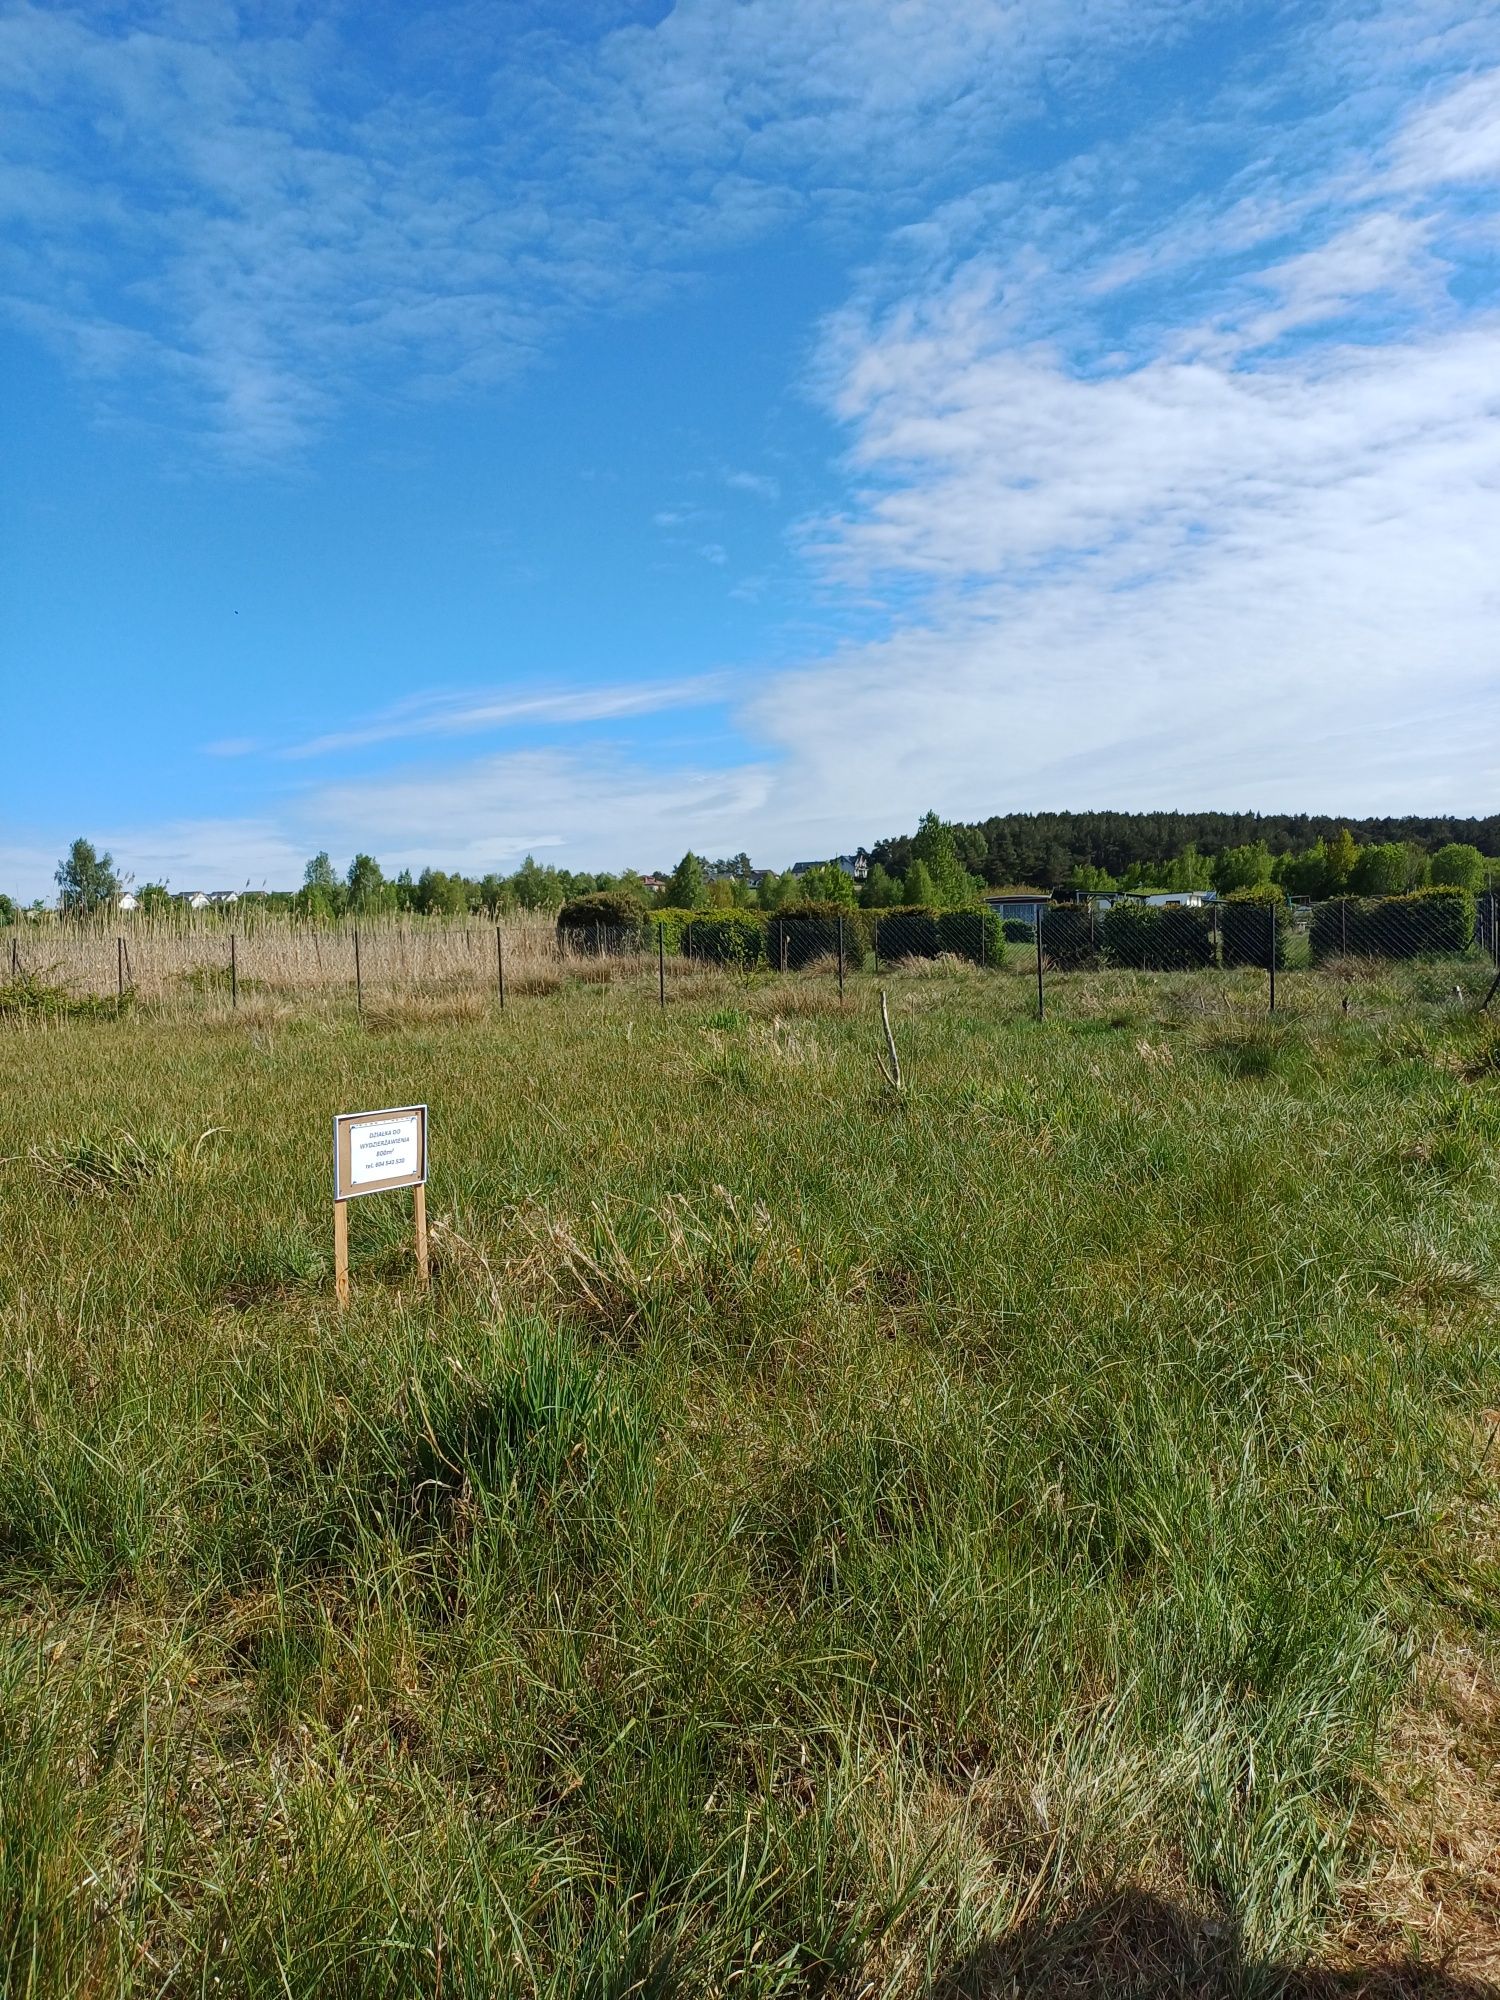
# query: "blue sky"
[[597, 430]]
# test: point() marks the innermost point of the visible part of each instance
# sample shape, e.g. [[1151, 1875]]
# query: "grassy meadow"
[[1032, 1533]]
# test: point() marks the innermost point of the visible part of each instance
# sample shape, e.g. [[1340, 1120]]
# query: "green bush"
[[1130, 932], [978, 935], [1072, 937], [1428, 923], [910, 931], [1016, 930], [1185, 940], [727, 937], [606, 910], [799, 934], [670, 925], [1149, 937], [1246, 926]]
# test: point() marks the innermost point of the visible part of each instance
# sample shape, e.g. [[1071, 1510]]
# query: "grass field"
[[1036, 1533]]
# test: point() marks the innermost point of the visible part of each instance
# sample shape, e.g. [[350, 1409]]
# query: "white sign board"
[[376, 1150]]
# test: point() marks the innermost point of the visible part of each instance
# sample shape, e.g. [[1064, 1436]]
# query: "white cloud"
[[240, 208], [761, 484], [468, 714], [1456, 138]]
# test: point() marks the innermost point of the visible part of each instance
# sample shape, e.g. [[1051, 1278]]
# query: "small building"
[[127, 903], [1020, 905], [191, 899]]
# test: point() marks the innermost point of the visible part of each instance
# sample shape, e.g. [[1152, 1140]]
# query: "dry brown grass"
[[1433, 1885]]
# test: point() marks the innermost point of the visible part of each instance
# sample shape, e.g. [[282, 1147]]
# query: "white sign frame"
[[346, 1187]]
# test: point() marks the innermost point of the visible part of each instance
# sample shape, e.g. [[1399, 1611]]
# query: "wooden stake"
[[419, 1217], [341, 1252]]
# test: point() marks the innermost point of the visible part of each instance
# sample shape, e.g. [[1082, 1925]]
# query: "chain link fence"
[[1344, 938]]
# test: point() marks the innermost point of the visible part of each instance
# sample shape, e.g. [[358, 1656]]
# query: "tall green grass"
[[808, 1537]]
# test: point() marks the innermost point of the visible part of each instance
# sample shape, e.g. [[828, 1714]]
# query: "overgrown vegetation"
[[811, 1539]]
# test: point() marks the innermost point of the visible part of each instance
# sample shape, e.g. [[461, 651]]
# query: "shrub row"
[[1428, 923], [1242, 930]]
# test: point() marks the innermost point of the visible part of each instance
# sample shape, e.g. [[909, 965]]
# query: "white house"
[[127, 902], [192, 899]]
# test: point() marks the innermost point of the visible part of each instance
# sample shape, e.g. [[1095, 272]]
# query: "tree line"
[[938, 866], [1047, 849]]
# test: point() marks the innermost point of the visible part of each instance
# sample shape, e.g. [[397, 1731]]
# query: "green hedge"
[[1429, 923], [977, 935], [727, 937], [809, 931], [672, 927], [604, 910], [1245, 927], [909, 931], [1016, 930], [1072, 937], [1148, 937]]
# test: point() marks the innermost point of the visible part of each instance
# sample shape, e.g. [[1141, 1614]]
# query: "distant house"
[[128, 902], [1157, 899], [191, 899], [223, 899], [856, 866], [1023, 905]]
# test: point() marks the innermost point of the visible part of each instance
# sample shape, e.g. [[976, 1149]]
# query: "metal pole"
[[1271, 954], [119, 971], [841, 955], [234, 972], [1041, 990], [15, 960], [1344, 926], [500, 968], [661, 964], [359, 984]]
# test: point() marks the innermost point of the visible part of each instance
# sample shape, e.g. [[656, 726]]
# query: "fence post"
[[359, 984], [1041, 990], [234, 972], [1213, 926], [119, 972], [781, 942], [841, 955], [875, 939], [15, 959], [1271, 951], [500, 968], [661, 964]]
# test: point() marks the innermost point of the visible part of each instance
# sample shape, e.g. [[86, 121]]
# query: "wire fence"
[[470, 965]]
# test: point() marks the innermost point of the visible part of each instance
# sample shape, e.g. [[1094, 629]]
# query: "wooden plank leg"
[[341, 1252], [419, 1217]]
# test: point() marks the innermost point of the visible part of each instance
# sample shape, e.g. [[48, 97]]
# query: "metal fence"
[[1348, 938]]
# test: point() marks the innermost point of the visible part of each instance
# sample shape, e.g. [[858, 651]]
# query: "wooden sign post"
[[373, 1152]]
